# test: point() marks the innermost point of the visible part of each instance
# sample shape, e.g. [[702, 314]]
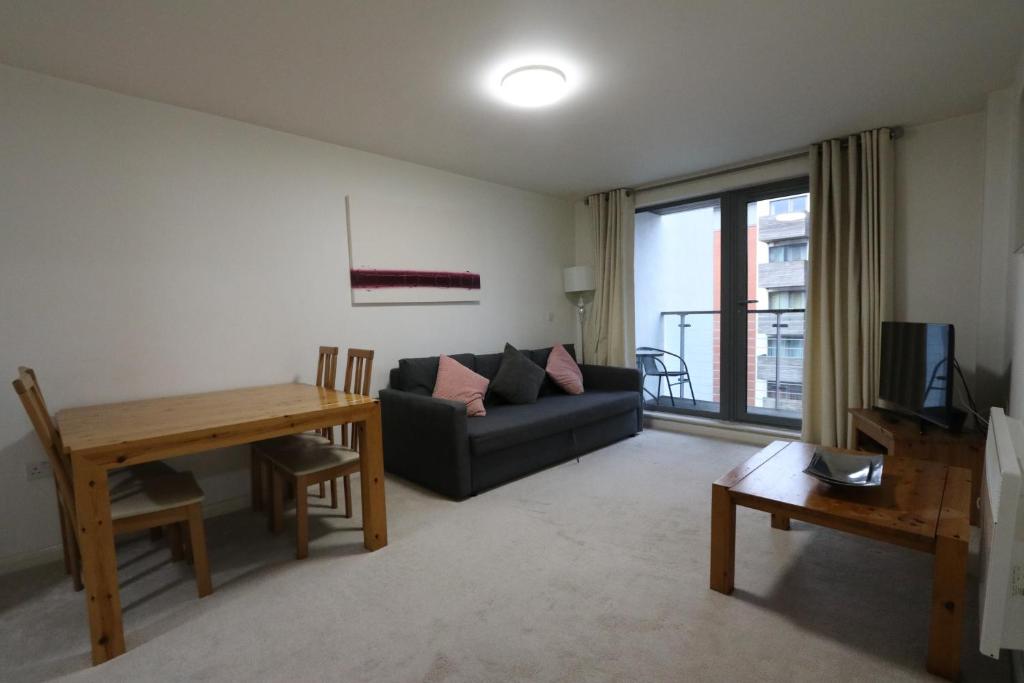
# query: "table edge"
[[229, 432]]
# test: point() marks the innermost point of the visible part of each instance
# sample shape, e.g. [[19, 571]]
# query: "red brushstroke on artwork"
[[380, 279]]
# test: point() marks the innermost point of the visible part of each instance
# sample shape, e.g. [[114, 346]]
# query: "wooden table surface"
[[921, 505], [103, 437], [904, 509], [876, 431], [152, 428]]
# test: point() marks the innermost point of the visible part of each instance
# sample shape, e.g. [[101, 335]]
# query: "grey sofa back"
[[418, 375]]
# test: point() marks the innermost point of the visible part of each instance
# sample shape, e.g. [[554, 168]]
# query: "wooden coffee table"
[[920, 505]]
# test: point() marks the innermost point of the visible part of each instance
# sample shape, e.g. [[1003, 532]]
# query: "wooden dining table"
[[101, 438]]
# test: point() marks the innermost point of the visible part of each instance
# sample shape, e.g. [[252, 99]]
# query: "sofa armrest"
[[425, 441], [608, 378]]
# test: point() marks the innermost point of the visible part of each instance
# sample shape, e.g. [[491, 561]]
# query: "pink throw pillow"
[[456, 382], [564, 371]]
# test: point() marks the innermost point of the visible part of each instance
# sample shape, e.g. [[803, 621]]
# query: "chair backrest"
[[327, 367], [31, 397], [358, 371], [650, 364], [327, 377]]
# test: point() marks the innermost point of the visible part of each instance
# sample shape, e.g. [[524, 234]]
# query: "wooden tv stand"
[[877, 431]]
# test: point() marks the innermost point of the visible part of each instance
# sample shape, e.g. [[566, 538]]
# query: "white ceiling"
[[664, 88]]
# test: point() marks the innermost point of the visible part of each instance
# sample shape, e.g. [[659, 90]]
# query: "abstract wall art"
[[400, 253]]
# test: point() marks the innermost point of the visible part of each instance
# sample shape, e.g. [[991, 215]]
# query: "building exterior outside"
[[781, 244]]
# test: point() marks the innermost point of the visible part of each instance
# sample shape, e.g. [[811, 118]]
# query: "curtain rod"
[[894, 133]]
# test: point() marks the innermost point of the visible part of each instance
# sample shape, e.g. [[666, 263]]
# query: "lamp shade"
[[578, 279]]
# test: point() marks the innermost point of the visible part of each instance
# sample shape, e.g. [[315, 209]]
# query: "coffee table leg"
[[780, 522], [723, 539], [948, 591]]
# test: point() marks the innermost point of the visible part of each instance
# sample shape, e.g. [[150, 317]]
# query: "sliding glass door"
[[720, 297], [678, 301]]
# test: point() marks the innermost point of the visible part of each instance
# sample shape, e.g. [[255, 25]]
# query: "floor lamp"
[[579, 280]]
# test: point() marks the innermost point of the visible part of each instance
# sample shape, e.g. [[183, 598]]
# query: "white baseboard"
[[719, 429], [33, 558], [54, 553]]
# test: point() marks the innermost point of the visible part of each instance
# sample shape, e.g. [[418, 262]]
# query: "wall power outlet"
[[38, 470]]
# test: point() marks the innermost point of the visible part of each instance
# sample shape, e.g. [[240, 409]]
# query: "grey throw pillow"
[[519, 379]]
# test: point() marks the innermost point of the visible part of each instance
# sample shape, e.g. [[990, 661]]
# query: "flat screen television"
[[917, 372]]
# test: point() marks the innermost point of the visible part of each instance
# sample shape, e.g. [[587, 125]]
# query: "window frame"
[[732, 352]]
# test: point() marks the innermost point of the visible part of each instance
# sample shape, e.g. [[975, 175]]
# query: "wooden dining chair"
[[259, 470], [302, 463], [140, 498]]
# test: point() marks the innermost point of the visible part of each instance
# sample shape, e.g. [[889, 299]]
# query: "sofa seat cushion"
[[508, 425]]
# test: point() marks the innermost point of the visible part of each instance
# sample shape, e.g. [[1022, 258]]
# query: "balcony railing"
[[781, 372]]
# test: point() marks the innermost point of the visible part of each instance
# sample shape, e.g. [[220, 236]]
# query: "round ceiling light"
[[535, 85]]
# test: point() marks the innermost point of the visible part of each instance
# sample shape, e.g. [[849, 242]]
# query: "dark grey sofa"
[[433, 443]]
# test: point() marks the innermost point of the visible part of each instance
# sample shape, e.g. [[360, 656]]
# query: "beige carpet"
[[590, 571]]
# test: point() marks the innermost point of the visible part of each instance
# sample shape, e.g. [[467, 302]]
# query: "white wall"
[[994, 332], [1014, 180], [149, 250], [939, 190]]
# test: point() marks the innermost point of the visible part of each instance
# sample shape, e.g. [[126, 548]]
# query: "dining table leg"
[[99, 562], [371, 483]]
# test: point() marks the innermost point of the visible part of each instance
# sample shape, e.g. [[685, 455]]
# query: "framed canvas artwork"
[[401, 253]]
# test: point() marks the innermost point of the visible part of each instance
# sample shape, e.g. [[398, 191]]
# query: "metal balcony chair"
[[648, 360]]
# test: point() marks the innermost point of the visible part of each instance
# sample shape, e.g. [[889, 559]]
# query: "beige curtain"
[[609, 329], [850, 280]]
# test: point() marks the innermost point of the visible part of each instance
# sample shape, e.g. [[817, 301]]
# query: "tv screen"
[[917, 370]]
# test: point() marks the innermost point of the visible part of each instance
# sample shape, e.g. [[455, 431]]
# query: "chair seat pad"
[[131, 496], [157, 468], [312, 458], [147, 470], [290, 442]]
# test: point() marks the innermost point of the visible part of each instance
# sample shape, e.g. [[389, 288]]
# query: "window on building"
[[788, 252], [791, 391], [788, 205], [787, 298], [791, 347]]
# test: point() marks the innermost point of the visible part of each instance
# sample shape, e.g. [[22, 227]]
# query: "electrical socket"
[[38, 470]]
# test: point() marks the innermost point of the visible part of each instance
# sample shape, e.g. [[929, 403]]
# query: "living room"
[[202, 207]]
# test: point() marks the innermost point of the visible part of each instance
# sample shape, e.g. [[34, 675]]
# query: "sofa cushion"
[[508, 425], [564, 371], [519, 378], [456, 382], [487, 364], [419, 375], [540, 357]]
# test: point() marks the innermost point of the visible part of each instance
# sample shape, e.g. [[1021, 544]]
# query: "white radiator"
[[1002, 537]]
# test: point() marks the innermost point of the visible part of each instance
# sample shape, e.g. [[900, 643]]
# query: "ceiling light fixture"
[[536, 85]]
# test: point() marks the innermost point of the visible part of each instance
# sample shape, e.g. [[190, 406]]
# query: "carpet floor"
[[589, 571]]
